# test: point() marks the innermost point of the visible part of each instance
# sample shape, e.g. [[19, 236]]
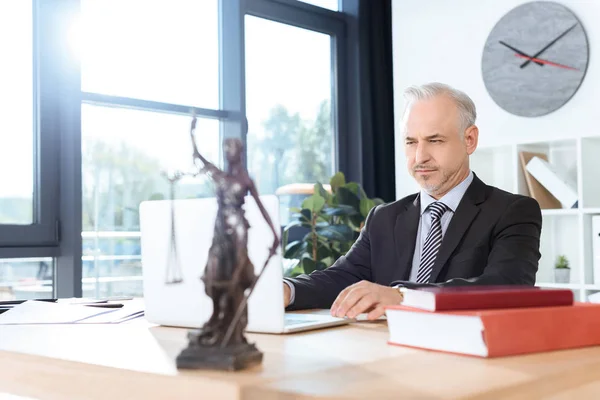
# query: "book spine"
[[487, 300]]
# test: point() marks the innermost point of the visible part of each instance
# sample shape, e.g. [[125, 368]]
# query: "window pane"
[[290, 134], [124, 153], [16, 103], [160, 50], [26, 278], [330, 4]]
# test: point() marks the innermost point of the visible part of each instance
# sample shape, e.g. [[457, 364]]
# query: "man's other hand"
[[365, 296], [287, 293]]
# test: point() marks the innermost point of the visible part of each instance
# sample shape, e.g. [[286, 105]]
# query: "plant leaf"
[[353, 187], [307, 215], [294, 272], [284, 237], [356, 221], [337, 181], [293, 224], [295, 249], [362, 193], [308, 238], [314, 203], [337, 254], [308, 265], [328, 261], [345, 247], [324, 241], [319, 203], [319, 189], [337, 232], [321, 266], [307, 203], [323, 252], [299, 222], [346, 197], [366, 205], [339, 210]]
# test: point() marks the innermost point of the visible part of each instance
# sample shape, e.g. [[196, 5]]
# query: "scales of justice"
[[229, 276]]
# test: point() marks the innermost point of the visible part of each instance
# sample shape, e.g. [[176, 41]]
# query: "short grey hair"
[[466, 107]]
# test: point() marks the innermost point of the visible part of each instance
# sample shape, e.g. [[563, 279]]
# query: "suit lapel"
[[465, 213], [405, 236]]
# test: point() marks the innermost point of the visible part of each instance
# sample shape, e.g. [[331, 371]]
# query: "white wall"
[[442, 40]]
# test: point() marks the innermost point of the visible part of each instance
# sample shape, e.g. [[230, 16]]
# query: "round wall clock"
[[535, 59]]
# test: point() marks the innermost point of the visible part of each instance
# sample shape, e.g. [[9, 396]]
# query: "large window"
[[26, 278], [289, 93], [97, 97], [16, 103], [161, 50]]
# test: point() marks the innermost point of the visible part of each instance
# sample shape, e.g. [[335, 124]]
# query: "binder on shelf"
[[536, 190], [596, 248], [551, 179]]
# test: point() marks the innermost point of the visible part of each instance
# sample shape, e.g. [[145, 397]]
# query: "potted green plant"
[[333, 220], [562, 270]]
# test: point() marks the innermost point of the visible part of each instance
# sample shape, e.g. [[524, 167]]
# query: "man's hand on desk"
[[365, 296]]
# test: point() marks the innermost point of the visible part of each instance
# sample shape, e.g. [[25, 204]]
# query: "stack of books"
[[493, 321]]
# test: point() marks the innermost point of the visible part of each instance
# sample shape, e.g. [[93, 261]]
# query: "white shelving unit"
[[565, 232]]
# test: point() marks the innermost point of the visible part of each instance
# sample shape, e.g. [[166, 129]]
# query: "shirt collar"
[[450, 199]]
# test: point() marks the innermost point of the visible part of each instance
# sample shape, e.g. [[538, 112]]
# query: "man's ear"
[[471, 138]]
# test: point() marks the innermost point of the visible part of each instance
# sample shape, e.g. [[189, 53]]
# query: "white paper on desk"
[[42, 312], [131, 309]]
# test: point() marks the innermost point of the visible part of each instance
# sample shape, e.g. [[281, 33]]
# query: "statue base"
[[230, 358]]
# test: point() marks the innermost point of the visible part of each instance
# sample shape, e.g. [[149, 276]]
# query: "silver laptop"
[[186, 304]]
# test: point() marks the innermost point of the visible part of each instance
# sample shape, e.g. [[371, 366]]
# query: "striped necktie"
[[432, 242]]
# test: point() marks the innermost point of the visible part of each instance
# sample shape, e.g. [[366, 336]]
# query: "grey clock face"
[[535, 59]]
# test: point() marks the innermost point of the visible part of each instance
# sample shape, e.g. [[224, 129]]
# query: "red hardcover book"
[[484, 297], [494, 333]]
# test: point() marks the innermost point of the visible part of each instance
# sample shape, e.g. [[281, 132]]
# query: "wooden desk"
[[354, 361]]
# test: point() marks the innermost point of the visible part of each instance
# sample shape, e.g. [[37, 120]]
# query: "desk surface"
[[137, 361]]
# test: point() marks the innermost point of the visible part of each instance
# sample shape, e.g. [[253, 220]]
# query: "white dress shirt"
[[451, 200]]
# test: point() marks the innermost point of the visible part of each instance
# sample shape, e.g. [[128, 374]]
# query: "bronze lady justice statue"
[[229, 273]]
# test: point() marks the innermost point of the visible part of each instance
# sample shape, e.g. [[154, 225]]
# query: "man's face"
[[437, 155]]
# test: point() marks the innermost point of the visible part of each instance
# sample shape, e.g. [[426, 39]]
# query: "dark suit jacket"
[[492, 239]]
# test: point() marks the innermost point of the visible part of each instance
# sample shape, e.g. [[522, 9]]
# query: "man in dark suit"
[[456, 231]]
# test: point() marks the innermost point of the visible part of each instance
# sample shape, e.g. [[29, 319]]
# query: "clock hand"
[[539, 60], [520, 52], [549, 44]]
